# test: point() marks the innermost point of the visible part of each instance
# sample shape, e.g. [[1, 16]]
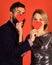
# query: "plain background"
[[31, 5]]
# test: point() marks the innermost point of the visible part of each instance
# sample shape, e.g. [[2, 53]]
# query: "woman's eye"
[[40, 19], [34, 19]]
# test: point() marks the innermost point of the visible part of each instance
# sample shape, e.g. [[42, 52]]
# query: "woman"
[[41, 38]]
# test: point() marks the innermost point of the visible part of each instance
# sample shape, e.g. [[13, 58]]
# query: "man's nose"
[[21, 13]]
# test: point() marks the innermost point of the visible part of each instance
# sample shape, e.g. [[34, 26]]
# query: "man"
[[10, 37]]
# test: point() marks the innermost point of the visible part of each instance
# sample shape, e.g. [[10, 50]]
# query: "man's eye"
[[18, 12], [23, 13]]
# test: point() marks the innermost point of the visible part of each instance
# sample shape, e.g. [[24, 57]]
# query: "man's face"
[[18, 14], [19, 10]]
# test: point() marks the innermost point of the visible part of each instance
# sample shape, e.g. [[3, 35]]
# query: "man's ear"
[[11, 14]]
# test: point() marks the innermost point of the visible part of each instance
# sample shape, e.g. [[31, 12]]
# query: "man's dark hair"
[[17, 4]]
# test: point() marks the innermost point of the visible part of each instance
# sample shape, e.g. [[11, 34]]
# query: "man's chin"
[[15, 21]]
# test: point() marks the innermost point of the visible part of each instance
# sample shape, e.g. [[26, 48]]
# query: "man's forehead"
[[20, 9]]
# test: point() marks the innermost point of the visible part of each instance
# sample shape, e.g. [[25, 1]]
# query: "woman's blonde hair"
[[44, 16]]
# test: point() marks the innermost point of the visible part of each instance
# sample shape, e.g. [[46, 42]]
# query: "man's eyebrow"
[[19, 10]]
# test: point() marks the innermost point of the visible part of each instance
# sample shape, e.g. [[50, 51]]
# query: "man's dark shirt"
[[10, 50]]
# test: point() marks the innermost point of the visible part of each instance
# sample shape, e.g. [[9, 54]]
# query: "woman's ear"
[[45, 26]]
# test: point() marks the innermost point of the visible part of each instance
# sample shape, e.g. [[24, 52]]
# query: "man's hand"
[[19, 26], [20, 31]]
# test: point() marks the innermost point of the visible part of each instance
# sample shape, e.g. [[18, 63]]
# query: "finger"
[[17, 23]]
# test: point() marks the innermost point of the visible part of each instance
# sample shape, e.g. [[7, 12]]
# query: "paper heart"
[[20, 17], [36, 25]]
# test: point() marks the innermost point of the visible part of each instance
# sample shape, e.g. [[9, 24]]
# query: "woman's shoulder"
[[50, 34], [50, 37]]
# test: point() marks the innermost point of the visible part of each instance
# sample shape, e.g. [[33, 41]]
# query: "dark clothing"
[[10, 50], [42, 50]]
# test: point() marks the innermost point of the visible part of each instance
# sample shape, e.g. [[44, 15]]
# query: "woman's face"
[[39, 25]]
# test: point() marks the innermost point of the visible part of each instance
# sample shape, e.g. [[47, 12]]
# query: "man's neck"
[[12, 23]]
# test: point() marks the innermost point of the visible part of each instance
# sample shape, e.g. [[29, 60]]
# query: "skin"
[[37, 17], [18, 10]]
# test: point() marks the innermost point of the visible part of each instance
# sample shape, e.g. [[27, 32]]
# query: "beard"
[[15, 21]]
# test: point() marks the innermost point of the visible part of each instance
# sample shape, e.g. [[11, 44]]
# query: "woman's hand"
[[33, 34]]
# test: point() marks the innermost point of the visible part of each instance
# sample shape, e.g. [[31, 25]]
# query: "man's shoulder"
[[6, 28], [5, 25]]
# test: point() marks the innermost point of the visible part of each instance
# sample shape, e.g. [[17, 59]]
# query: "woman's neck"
[[41, 33]]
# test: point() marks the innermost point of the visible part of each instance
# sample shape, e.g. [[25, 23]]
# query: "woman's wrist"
[[30, 42]]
